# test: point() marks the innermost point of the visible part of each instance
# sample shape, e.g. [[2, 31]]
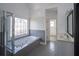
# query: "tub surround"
[[38, 33]]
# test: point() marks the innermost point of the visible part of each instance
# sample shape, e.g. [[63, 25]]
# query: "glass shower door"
[[6, 33], [9, 33]]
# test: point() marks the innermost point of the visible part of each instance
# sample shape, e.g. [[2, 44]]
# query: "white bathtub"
[[22, 42]]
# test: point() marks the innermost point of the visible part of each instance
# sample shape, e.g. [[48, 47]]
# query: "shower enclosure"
[[9, 44], [6, 33]]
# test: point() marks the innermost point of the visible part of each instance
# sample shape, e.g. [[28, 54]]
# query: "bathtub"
[[21, 43]]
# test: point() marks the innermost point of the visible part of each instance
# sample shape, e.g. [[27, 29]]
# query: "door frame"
[[46, 24]]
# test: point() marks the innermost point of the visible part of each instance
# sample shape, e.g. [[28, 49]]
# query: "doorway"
[[52, 29], [51, 24]]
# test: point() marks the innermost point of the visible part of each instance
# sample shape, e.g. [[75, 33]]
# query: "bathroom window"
[[21, 27]]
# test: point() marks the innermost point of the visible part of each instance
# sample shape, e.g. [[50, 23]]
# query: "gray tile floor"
[[56, 48]]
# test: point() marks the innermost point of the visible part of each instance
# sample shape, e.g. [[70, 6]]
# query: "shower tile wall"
[[38, 33]]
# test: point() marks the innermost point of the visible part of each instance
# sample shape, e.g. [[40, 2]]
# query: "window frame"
[[22, 35]]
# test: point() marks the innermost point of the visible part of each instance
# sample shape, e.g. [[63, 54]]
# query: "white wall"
[[38, 15], [51, 13], [62, 10], [18, 9]]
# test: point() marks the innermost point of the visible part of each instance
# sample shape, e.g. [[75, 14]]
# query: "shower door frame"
[[5, 31]]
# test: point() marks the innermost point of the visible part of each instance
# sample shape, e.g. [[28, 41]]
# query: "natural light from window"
[[21, 27]]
